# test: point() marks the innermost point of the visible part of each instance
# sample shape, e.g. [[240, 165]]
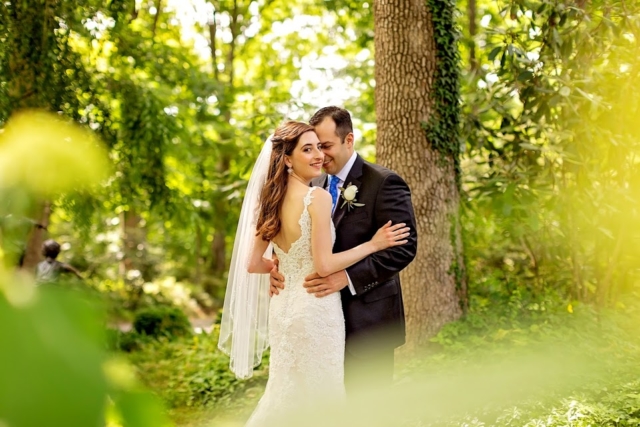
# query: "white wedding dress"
[[306, 335]]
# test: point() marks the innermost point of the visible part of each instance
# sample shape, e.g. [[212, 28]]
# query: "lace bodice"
[[298, 261]]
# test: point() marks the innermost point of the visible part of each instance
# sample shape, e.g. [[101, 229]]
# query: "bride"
[[306, 333]]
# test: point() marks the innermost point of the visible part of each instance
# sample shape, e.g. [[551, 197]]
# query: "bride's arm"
[[324, 260], [257, 263]]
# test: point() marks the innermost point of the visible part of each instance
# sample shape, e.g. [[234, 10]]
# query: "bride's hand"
[[390, 235]]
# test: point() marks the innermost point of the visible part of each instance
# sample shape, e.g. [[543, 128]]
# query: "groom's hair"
[[340, 117]]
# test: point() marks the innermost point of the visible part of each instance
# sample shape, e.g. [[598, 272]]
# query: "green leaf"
[[494, 52], [525, 75]]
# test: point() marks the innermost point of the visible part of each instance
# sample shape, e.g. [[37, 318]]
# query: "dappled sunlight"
[[552, 171]]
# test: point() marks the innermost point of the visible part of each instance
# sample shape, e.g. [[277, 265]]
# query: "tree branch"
[[213, 28], [155, 20]]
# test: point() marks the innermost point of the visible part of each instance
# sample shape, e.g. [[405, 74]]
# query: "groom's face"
[[336, 151]]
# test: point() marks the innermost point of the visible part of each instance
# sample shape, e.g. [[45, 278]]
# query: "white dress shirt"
[[342, 176]]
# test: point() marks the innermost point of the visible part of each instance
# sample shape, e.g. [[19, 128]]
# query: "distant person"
[[50, 269]]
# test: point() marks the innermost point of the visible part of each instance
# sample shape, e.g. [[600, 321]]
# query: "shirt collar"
[[344, 172]]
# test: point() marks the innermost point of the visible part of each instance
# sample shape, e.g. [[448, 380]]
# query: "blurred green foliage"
[[192, 372], [169, 322], [54, 366], [182, 126], [51, 360], [550, 104]]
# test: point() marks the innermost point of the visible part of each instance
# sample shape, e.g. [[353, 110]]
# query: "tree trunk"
[[405, 72], [213, 28], [218, 261], [226, 98], [606, 292], [133, 239], [26, 55], [155, 20], [197, 276], [133, 235], [33, 251], [26, 52], [473, 30]]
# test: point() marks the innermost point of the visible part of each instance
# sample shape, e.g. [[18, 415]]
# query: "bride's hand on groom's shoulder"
[[390, 235], [276, 280]]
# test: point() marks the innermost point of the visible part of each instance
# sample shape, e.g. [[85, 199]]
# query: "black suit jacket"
[[376, 313]]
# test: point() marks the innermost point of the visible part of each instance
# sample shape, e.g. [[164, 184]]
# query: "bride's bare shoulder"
[[320, 194], [321, 200]]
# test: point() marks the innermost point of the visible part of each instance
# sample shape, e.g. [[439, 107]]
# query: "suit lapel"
[[320, 181], [353, 178]]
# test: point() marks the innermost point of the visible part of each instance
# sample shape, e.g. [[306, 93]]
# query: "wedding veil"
[[243, 329]]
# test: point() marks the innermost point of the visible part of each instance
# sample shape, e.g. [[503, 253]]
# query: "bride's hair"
[[284, 140]]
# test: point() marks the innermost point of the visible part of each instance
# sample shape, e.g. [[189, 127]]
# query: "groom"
[[370, 290]]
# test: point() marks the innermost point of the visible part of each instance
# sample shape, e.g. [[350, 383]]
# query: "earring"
[[290, 170]]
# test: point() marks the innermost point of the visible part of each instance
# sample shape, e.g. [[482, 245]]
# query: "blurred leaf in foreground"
[[46, 154], [50, 363], [54, 367]]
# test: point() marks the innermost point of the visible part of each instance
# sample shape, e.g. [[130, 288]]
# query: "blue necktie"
[[333, 189]]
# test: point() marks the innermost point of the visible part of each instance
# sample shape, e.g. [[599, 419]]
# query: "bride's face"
[[307, 158]]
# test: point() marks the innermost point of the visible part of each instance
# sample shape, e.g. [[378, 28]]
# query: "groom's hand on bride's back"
[[323, 286], [276, 280]]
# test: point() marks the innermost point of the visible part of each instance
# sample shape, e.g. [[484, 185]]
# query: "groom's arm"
[[393, 202]]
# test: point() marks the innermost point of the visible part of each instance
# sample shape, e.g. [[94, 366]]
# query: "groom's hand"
[[276, 280], [323, 286]]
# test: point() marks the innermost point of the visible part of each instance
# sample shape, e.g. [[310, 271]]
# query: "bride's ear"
[[287, 162]]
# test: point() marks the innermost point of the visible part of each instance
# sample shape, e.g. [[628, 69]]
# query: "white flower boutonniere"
[[349, 196]]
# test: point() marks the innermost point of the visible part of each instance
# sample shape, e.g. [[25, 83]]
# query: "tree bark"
[[213, 28], [605, 287], [473, 30], [155, 20], [133, 235], [405, 71], [226, 99], [33, 251], [218, 261], [26, 70]]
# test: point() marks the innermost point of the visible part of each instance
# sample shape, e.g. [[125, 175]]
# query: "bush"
[[163, 321], [192, 372], [118, 340]]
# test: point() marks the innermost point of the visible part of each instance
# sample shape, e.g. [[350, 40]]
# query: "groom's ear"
[[349, 139]]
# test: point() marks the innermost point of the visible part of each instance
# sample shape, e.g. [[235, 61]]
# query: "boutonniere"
[[349, 196]]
